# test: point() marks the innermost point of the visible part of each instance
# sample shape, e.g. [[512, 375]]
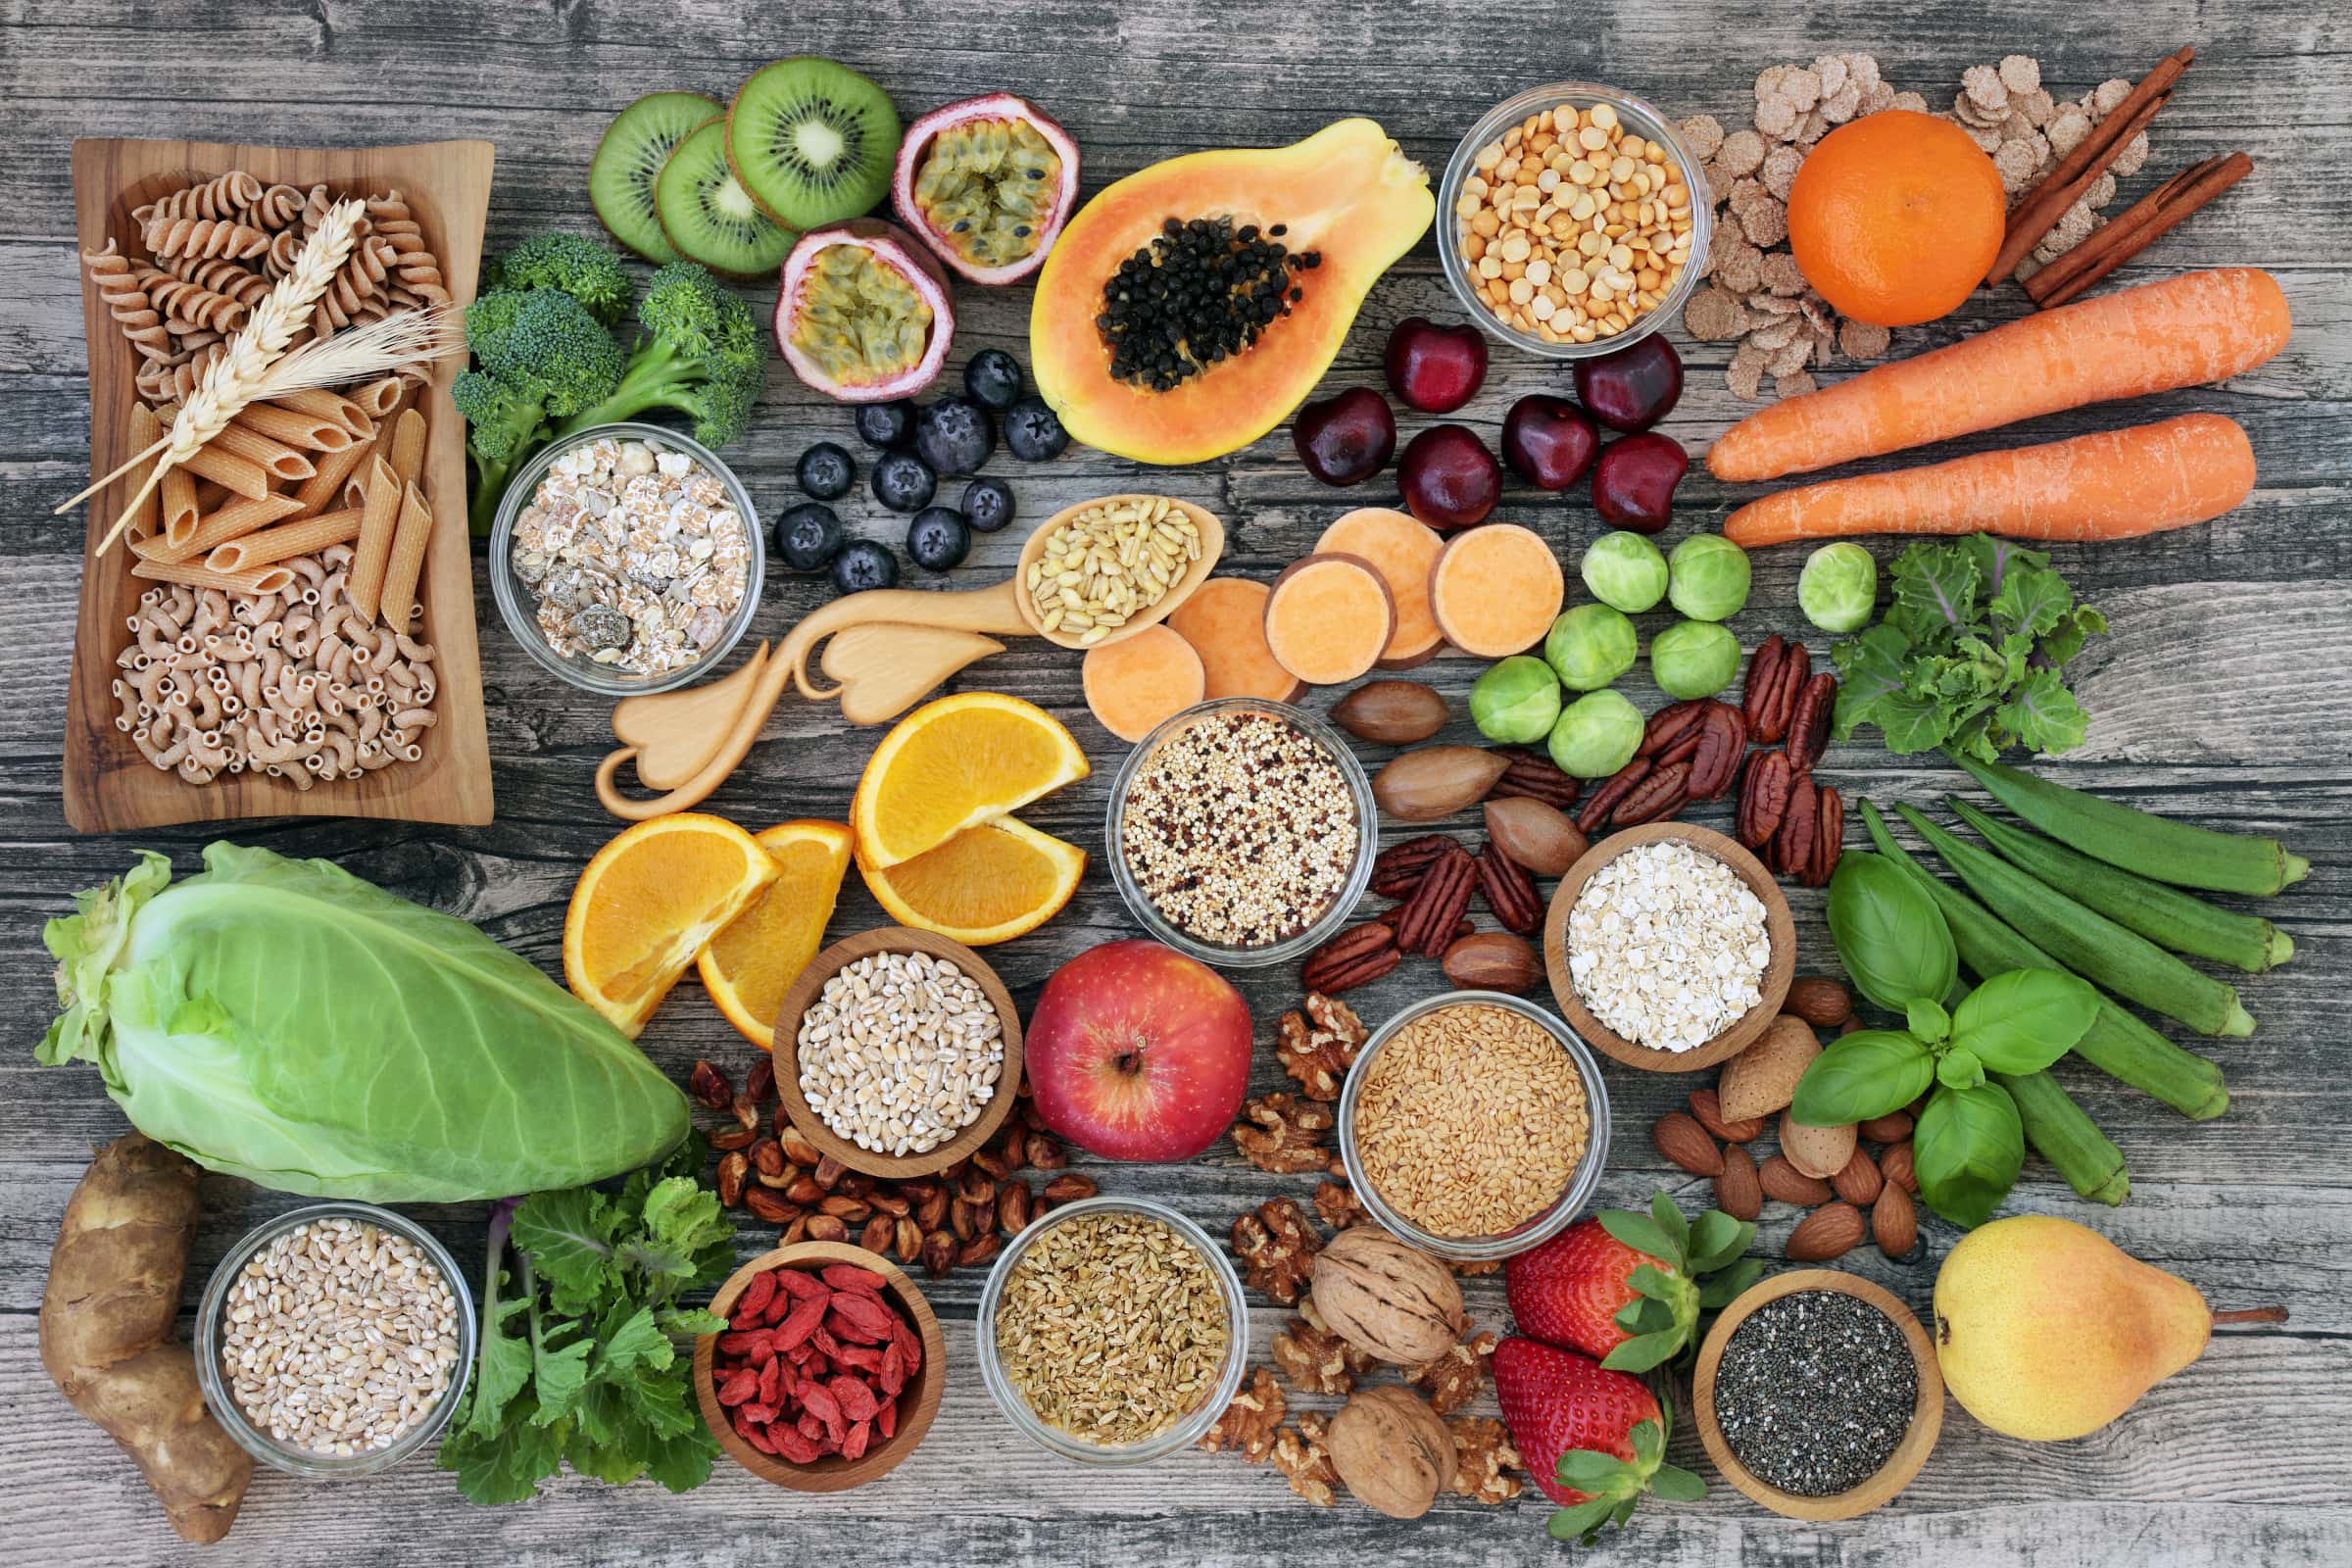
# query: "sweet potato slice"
[[1328, 618], [1132, 684], [1495, 590], [1401, 549], [1225, 621]]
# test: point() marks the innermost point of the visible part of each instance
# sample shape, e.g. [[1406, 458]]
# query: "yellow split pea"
[[1572, 227]]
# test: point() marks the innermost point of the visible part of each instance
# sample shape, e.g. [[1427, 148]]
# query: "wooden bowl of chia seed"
[[1803, 1399]]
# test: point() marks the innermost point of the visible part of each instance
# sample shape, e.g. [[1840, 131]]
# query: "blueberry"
[[937, 540], [993, 378], [886, 427], [954, 435], [988, 504], [1033, 432], [903, 482], [826, 472], [808, 536], [863, 565]]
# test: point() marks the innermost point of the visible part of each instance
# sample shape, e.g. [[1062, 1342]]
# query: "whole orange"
[[1894, 217]]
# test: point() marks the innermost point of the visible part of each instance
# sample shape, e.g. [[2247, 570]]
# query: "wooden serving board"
[[109, 787]]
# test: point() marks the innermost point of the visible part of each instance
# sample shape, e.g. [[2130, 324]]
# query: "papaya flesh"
[[1346, 194]]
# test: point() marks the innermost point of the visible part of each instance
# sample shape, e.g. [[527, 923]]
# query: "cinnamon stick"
[[2075, 173], [2150, 217]]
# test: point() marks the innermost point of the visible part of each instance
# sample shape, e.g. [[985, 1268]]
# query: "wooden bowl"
[[919, 1400], [787, 1052], [1212, 545], [1927, 1416], [1779, 928]]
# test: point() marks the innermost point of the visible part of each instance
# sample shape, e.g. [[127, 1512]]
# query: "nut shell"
[[1390, 712], [1830, 1231], [1392, 1302], [1822, 1151], [1392, 1450], [1535, 834], [1762, 1079]]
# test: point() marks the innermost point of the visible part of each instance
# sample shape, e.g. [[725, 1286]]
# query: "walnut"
[[1277, 1247], [1299, 1454], [1483, 1460], [1319, 1048], [1249, 1422], [1393, 1301], [1316, 1360], [1392, 1451], [1454, 1378], [1283, 1134], [1470, 1271], [1336, 1203]]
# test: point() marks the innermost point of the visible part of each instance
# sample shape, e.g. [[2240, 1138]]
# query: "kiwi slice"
[[621, 176], [813, 141], [708, 215]]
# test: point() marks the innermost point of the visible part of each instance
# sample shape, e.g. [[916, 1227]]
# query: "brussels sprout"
[[1515, 701], [1596, 735], [1839, 588], [1591, 646], [1625, 572], [1693, 658], [1710, 577]]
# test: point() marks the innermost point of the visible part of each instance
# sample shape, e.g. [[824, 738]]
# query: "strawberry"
[[1593, 1438], [1628, 1287]]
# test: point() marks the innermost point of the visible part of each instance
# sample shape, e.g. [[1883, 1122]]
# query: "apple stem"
[[2252, 1314]]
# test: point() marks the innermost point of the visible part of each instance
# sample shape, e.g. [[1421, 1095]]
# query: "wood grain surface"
[[2222, 695]]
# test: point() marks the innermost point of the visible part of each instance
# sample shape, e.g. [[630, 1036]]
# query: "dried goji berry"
[[860, 1317], [743, 1342], [738, 1388], [911, 1348], [826, 1345], [853, 1440], [757, 1436], [790, 1445], [801, 1355], [806, 1315], [756, 1413], [886, 1419], [809, 1426], [893, 1376], [771, 1382], [850, 1277], [855, 1399], [864, 1357], [757, 1294], [800, 1283], [825, 1409]]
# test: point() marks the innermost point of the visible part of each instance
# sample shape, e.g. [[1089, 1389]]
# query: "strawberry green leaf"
[[1726, 1287], [1638, 1233], [1582, 1522], [1644, 1352], [1669, 1219], [1677, 1484], [1715, 1240]]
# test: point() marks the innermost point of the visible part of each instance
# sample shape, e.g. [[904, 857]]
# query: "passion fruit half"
[[863, 314], [987, 183]]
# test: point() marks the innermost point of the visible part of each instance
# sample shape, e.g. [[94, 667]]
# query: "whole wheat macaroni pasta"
[[301, 537], [379, 519], [277, 460], [398, 600]]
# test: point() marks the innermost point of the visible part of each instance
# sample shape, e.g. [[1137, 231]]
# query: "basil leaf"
[[1959, 1068], [1927, 1019], [2022, 1021], [1967, 1151], [1868, 1073], [1889, 935]]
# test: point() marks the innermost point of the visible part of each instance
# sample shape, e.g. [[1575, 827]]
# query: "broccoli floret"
[[702, 355], [539, 356], [581, 267]]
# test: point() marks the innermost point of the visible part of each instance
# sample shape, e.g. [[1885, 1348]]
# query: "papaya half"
[[1302, 231]]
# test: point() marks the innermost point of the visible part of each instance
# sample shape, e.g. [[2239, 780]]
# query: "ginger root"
[[106, 1332]]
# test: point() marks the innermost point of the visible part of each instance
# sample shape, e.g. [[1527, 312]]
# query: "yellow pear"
[[2046, 1330]]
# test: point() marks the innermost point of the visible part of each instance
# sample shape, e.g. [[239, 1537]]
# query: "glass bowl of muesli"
[[1241, 832], [627, 559]]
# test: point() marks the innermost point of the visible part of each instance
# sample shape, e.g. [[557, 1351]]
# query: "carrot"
[[2117, 484], [2180, 331], [1328, 618], [1134, 683]]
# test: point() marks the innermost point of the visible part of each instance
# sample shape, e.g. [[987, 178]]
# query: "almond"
[[1762, 1079], [1821, 1003], [1684, 1143], [1894, 1221], [1785, 1183], [1710, 1111], [1830, 1231], [1737, 1192], [1859, 1182], [1891, 1128], [1894, 1163], [1815, 1151]]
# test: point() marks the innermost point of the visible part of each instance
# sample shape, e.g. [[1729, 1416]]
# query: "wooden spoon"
[[1195, 572]]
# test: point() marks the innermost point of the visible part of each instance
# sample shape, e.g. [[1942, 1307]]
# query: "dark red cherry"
[[1435, 368], [1346, 439], [1547, 441], [1633, 483], [1632, 388], [1449, 479]]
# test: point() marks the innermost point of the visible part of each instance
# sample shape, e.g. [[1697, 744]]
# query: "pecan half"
[[734, 1170], [1358, 956], [1537, 777], [1399, 869], [1436, 906], [1670, 724], [1792, 845], [1763, 798], [1509, 891], [1722, 743], [1390, 917], [1829, 838], [1655, 798], [1809, 724], [1775, 671], [1604, 800]]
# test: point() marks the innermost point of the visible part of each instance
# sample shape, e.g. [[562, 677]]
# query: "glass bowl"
[[1528, 1233], [1181, 1434], [518, 602], [1360, 874], [1640, 118], [212, 1309]]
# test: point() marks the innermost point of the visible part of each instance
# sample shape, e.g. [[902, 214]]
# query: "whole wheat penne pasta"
[[326, 487], [379, 519], [277, 460], [301, 537], [313, 432], [146, 519], [398, 600], [180, 500], [320, 403], [232, 522], [408, 446], [377, 399], [210, 497], [242, 475], [263, 581]]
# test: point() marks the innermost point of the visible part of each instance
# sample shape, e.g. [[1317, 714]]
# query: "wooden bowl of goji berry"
[[828, 1373]]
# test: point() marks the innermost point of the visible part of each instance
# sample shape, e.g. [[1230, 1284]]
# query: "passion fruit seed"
[[988, 189], [1200, 291], [859, 319]]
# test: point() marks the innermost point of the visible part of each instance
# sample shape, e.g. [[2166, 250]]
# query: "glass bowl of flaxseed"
[[1241, 832]]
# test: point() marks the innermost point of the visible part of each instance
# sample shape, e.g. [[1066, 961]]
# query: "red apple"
[[1136, 1052]]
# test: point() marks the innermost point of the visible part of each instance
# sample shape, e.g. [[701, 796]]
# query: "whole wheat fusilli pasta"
[[232, 278], [226, 197], [275, 209], [192, 303], [203, 236], [119, 288], [415, 269], [356, 283]]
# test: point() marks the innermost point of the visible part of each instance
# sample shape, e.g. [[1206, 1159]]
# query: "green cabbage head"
[[284, 1021]]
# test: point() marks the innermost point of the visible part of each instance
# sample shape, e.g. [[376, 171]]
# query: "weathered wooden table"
[[2223, 693]]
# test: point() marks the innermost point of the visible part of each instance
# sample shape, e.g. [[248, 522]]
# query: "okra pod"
[[2064, 1134]]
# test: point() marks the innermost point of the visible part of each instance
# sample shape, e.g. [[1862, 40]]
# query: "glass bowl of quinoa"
[[1241, 832]]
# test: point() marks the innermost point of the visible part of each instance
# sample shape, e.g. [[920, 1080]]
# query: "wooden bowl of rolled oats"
[[1670, 946], [898, 1051]]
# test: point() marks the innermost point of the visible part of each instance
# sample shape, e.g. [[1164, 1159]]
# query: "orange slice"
[[648, 902], [954, 764], [987, 884], [754, 960]]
